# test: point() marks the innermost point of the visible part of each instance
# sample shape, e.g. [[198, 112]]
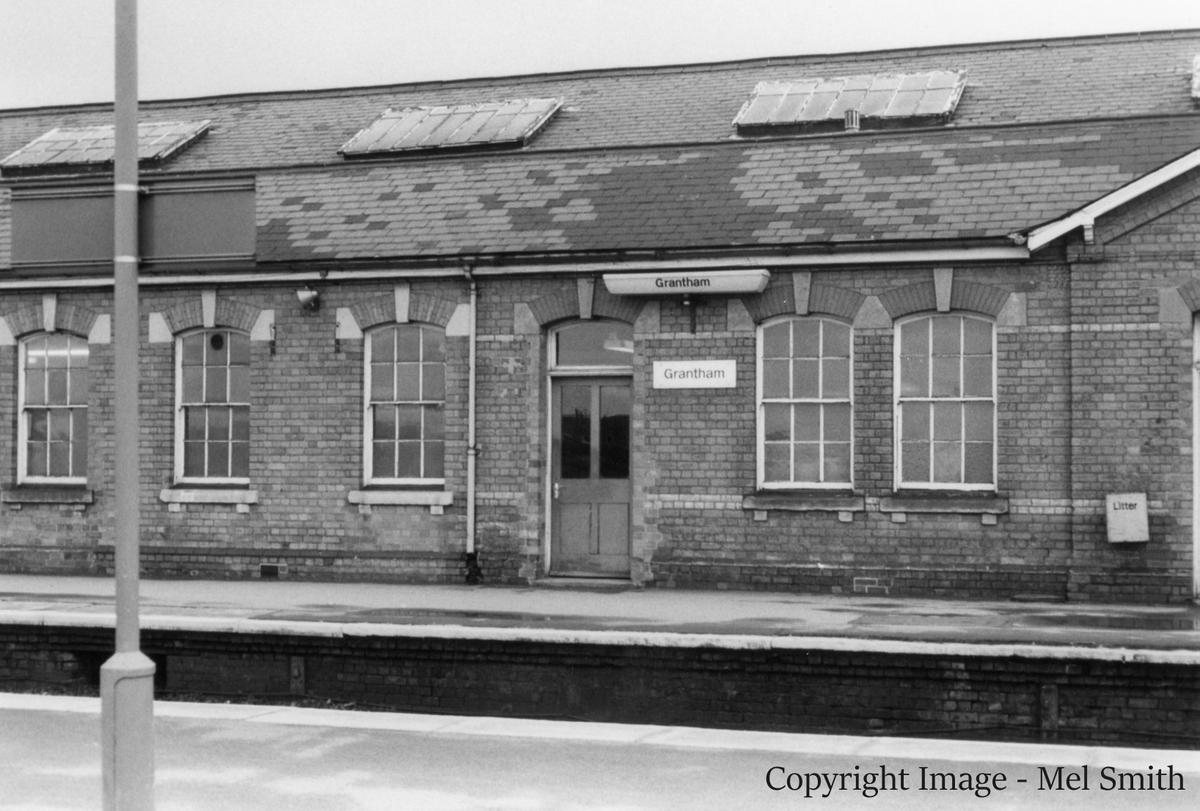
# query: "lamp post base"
[[127, 731]]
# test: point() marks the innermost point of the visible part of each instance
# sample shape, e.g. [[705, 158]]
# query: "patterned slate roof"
[[877, 187]]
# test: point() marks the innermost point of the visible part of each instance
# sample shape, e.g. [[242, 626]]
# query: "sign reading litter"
[[1128, 521], [695, 374]]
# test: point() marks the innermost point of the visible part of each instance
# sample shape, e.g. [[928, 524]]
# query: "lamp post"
[[127, 679]]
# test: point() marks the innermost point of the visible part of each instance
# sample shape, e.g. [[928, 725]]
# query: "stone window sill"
[[20, 495], [176, 499], [986, 506], [845, 504], [435, 500]]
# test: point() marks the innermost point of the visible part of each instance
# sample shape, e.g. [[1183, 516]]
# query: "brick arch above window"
[[823, 299], [67, 318], [1190, 293], [922, 297], [423, 307], [189, 314]]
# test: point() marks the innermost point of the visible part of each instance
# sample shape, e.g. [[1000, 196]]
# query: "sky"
[[61, 51]]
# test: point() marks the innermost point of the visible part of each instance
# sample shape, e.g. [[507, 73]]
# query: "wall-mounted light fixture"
[[310, 299]]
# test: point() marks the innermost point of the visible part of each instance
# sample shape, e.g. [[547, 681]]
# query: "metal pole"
[[127, 679]]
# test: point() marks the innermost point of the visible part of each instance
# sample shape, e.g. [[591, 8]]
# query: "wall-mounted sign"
[[700, 282], [1127, 518], [695, 374]]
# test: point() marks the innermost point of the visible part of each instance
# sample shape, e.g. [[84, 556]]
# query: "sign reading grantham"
[[702, 282], [695, 374]]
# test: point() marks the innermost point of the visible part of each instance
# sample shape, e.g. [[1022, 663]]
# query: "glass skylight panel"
[[882, 97], [90, 146], [462, 125]]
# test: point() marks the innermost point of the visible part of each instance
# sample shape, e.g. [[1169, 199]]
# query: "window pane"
[[381, 382], [214, 385], [808, 462], [78, 387], [946, 335], [38, 425], [36, 458], [239, 384], [433, 385], [806, 381], [193, 384], [194, 424], [60, 459], [193, 459], [775, 422], [35, 353], [978, 463], [614, 432], [407, 381], [808, 422], [193, 350], [35, 387], [914, 338], [914, 418], [837, 378], [837, 422], [947, 421], [56, 386], [408, 422], [433, 345], [945, 377], [837, 340], [57, 348], [383, 422], [408, 460], [239, 349], [240, 431], [837, 462], [239, 460], [775, 379], [915, 461], [218, 459], [435, 428], [807, 336], [216, 349], [947, 462], [218, 424], [381, 346], [914, 376], [60, 425], [434, 460], [977, 337], [79, 352], [978, 418], [977, 376], [79, 442], [408, 343], [576, 432], [595, 343], [777, 462], [776, 340], [383, 460]]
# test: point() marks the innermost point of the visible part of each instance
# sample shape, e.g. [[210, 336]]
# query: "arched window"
[[212, 397], [52, 433], [946, 403], [805, 405], [404, 424]]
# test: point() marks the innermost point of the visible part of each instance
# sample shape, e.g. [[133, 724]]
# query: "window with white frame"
[[805, 409], [946, 403], [405, 434], [212, 407], [52, 433]]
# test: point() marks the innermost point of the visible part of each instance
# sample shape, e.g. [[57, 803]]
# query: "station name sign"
[[695, 374], [703, 282]]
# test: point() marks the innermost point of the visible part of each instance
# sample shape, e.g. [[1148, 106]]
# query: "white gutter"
[[889, 257], [1086, 216]]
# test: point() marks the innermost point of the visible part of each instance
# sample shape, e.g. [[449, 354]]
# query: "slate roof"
[[649, 159]]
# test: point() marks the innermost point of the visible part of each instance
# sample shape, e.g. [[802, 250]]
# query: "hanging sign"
[[1128, 521], [695, 374], [700, 282]]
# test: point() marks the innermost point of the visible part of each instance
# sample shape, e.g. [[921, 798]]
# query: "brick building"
[[893, 322]]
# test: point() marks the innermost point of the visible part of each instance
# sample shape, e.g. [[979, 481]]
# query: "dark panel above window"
[[181, 223], [492, 124], [878, 100], [92, 147]]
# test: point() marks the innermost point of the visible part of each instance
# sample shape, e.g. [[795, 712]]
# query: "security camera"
[[309, 299]]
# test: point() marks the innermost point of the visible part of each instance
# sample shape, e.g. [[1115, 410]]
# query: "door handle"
[[556, 488]]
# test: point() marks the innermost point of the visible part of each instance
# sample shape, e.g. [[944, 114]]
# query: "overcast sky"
[[60, 51]]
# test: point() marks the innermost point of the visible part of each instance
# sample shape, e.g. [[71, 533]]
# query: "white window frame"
[[369, 479], [760, 410], [180, 417], [23, 420], [898, 399]]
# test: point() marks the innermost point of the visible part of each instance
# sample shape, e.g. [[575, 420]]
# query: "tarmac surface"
[[618, 615]]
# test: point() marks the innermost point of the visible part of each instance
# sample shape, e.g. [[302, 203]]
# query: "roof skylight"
[[497, 123], [93, 146], [876, 99]]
